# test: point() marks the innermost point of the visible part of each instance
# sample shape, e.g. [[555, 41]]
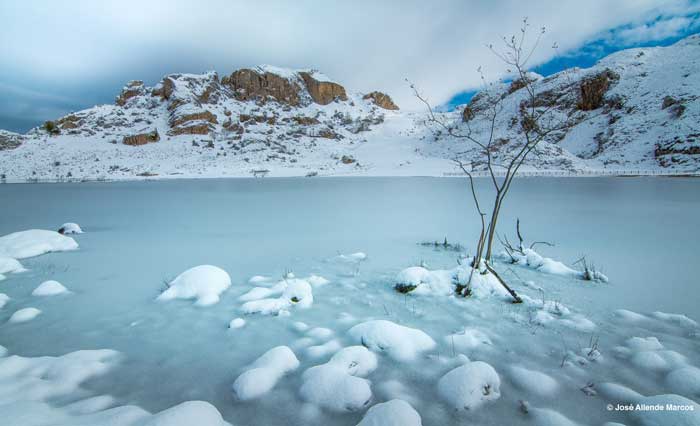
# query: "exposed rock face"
[[10, 140], [176, 119], [467, 113], [593, 89], [69, 122], [250, 84], [382, 100], [142, 138], [323, 92], [132, 89]]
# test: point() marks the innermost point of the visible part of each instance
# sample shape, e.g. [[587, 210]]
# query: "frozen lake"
[[641, 232]]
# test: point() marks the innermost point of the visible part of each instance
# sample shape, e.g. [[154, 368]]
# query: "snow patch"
[[49, 288], [24, 315], [236, 323], [70, 228]]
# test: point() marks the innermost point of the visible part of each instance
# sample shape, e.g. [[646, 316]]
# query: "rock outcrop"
[[142, 138], [382, 100], [594, 88], [10, 140], [132, 89], [248, 84], [323, 92]]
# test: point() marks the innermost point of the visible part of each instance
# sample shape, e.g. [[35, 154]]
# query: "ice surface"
[[49, 288], [34, 242], [204, 283], [124, 261]]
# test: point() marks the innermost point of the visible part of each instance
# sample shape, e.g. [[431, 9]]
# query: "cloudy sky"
[[59, 56]]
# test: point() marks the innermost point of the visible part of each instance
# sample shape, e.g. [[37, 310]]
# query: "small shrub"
[[404, 288]]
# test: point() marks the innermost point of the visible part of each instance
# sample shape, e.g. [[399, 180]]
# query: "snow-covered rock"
[[338, 384], [399, 342], [70, 228], [470, 386], [294, 293], [391, 413], [204, 283], [49, 288], [34, 242], [24, 315], [237, 323], [263, 374]]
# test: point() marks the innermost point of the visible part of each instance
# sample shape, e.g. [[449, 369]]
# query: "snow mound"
[[644, 344], [199, 413], [10, 265], [294, 292], [547, 417], [317, 280], [399, 342], [3, 299], [320, 333], [391, 413], [236, 323], [337, 385], [24, 315], [534, 382], [534, 260], [629, 317], [263, 374], [70, 228], [467, 339], [685, 381], [49, 288], [320, 351], [442, 282], [678, 319], [204, 283], [470, 386], [34, 242], [689, 416]]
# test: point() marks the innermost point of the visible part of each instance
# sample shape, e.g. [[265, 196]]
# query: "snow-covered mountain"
[[636, 109]]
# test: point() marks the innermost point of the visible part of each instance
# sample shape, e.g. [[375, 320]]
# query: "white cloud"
[[365, 45], [657, 30]]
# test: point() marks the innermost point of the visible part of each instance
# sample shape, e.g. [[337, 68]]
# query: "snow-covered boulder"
[[263, 374], [24, 315], [470, 386], [70, 228], [10, 265], [391, 413], [399, 342], [293, 293], [337, 385], [34, 242], [49, 288], [204, 283]]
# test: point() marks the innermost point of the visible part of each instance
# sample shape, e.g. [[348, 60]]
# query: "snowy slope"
[[283, 122]]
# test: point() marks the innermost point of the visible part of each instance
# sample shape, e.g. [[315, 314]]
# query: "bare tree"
[[502, 159]]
